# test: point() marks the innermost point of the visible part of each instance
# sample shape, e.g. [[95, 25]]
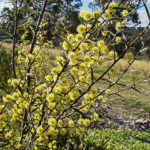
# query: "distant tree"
[[59, 13], [64, 13], [7, 19]]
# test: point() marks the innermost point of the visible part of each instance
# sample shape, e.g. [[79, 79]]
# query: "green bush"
[[8, 40], [5, 67], [116, 140]]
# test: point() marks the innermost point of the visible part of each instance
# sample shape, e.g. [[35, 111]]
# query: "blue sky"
[[4, 3], [141, 11], [85, 4]]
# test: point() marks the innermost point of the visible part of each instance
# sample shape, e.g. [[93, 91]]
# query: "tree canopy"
[[59, 13]]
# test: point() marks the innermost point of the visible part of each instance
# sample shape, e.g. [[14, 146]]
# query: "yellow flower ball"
[[112, 6], [71, 55], [86, 122], [9, 81], [52, 122], [118, 26], [100, 97], [63, 131], [8, 98], [112, 55], [80, 131], [31, 57], [83, 46], [107, 15], [100, 43], [86, 58], [50, 145], [48, 78], [60, 123], [51, 105], [54, 147], [80, 121], [79, 37], [65, 46], [45, 45], [81, 29], [96, 117], [74, 71], [54, 71], [96, 14], [123, 23], [51, 97], [104, 49], [107, 91], [82, 78], [70, 37], [86, 15], [58, 89], [8, 135], [104, 33], [128, 56], [125, 13], [39, 130], [71, 124], [25, 94], [87, 36], [83, 67], [88, 27], [118, 39], [95, 50]]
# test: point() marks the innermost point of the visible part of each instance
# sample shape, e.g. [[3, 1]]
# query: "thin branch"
[[17, 11], [38, 26], [35, 35]]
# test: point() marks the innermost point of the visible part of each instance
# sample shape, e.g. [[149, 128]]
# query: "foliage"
[[58, 14], [4, 35], [52, 108], [5, 68], [116, 140]]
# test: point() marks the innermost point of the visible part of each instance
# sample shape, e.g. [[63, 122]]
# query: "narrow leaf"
[[147, 11]]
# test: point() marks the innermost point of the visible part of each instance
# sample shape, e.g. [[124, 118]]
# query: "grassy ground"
[[132, 102]]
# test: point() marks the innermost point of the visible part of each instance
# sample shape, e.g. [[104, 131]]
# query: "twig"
[[15, 37]]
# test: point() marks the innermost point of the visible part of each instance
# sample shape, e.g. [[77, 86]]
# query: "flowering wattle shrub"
[[53, 110]]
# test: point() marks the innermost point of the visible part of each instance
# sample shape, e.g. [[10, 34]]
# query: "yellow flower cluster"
[[87, 16], [125, 13], [128, 56], [50, 104], [118, 39]]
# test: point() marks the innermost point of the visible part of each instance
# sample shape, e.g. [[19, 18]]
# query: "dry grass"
[[51, 52], [6, 45], [139, 65]]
